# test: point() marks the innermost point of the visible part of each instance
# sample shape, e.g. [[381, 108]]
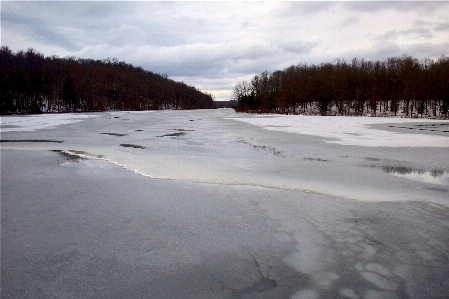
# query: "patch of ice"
[[380, 281], [41, 121], [373, 267], [359, 267], [92, 164], [309, 258], [369, 250], [305, 294], [372, 294], [348, 130], [325, 279], [348, 293], [283, 237], [425, 255]]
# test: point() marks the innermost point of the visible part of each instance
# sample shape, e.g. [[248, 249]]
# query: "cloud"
[[376, 50], [428, 49], [409, 34], [350, 21], [444, 27], [400, 6], [306, 8]]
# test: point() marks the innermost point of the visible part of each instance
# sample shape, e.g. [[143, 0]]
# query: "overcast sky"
[[214, 45]]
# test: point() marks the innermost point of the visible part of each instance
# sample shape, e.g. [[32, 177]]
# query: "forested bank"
[[32, 83], [395, 86]]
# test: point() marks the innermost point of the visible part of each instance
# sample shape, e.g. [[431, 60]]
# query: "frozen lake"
[[215, 204]]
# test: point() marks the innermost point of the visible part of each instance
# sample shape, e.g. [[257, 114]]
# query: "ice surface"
[[219, 147], [306, 294], [83, 218], [380, 281], [426, 177], [348, 293], [349, 130], [39, 121], [378, 268]]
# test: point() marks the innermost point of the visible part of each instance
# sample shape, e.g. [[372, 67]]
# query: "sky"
[[215, 45]]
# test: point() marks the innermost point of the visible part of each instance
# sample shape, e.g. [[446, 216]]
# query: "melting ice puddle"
[[189, 141], [433, 177]]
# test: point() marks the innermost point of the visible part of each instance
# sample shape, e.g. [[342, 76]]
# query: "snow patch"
[[41, 121], [347, 130]]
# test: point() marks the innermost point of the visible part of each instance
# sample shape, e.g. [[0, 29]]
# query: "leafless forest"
[[32, 83], [398, 85]]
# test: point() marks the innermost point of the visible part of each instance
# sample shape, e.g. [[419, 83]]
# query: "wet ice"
[[363, 229]]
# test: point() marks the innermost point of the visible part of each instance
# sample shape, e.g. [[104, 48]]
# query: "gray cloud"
[[442, 27], [428, 49], [350, 21], [412, 33], [402, 6], [306, 8]]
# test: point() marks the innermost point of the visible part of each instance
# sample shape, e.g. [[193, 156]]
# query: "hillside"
[[32, 83]]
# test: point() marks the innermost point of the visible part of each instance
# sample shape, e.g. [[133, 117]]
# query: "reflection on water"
[[434, 176]]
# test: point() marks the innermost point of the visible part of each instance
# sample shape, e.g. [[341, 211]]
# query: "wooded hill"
[[398, 85], [32, 83]]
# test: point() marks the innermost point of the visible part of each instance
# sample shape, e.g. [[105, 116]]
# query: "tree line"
[[32, 83], [399, 85]]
